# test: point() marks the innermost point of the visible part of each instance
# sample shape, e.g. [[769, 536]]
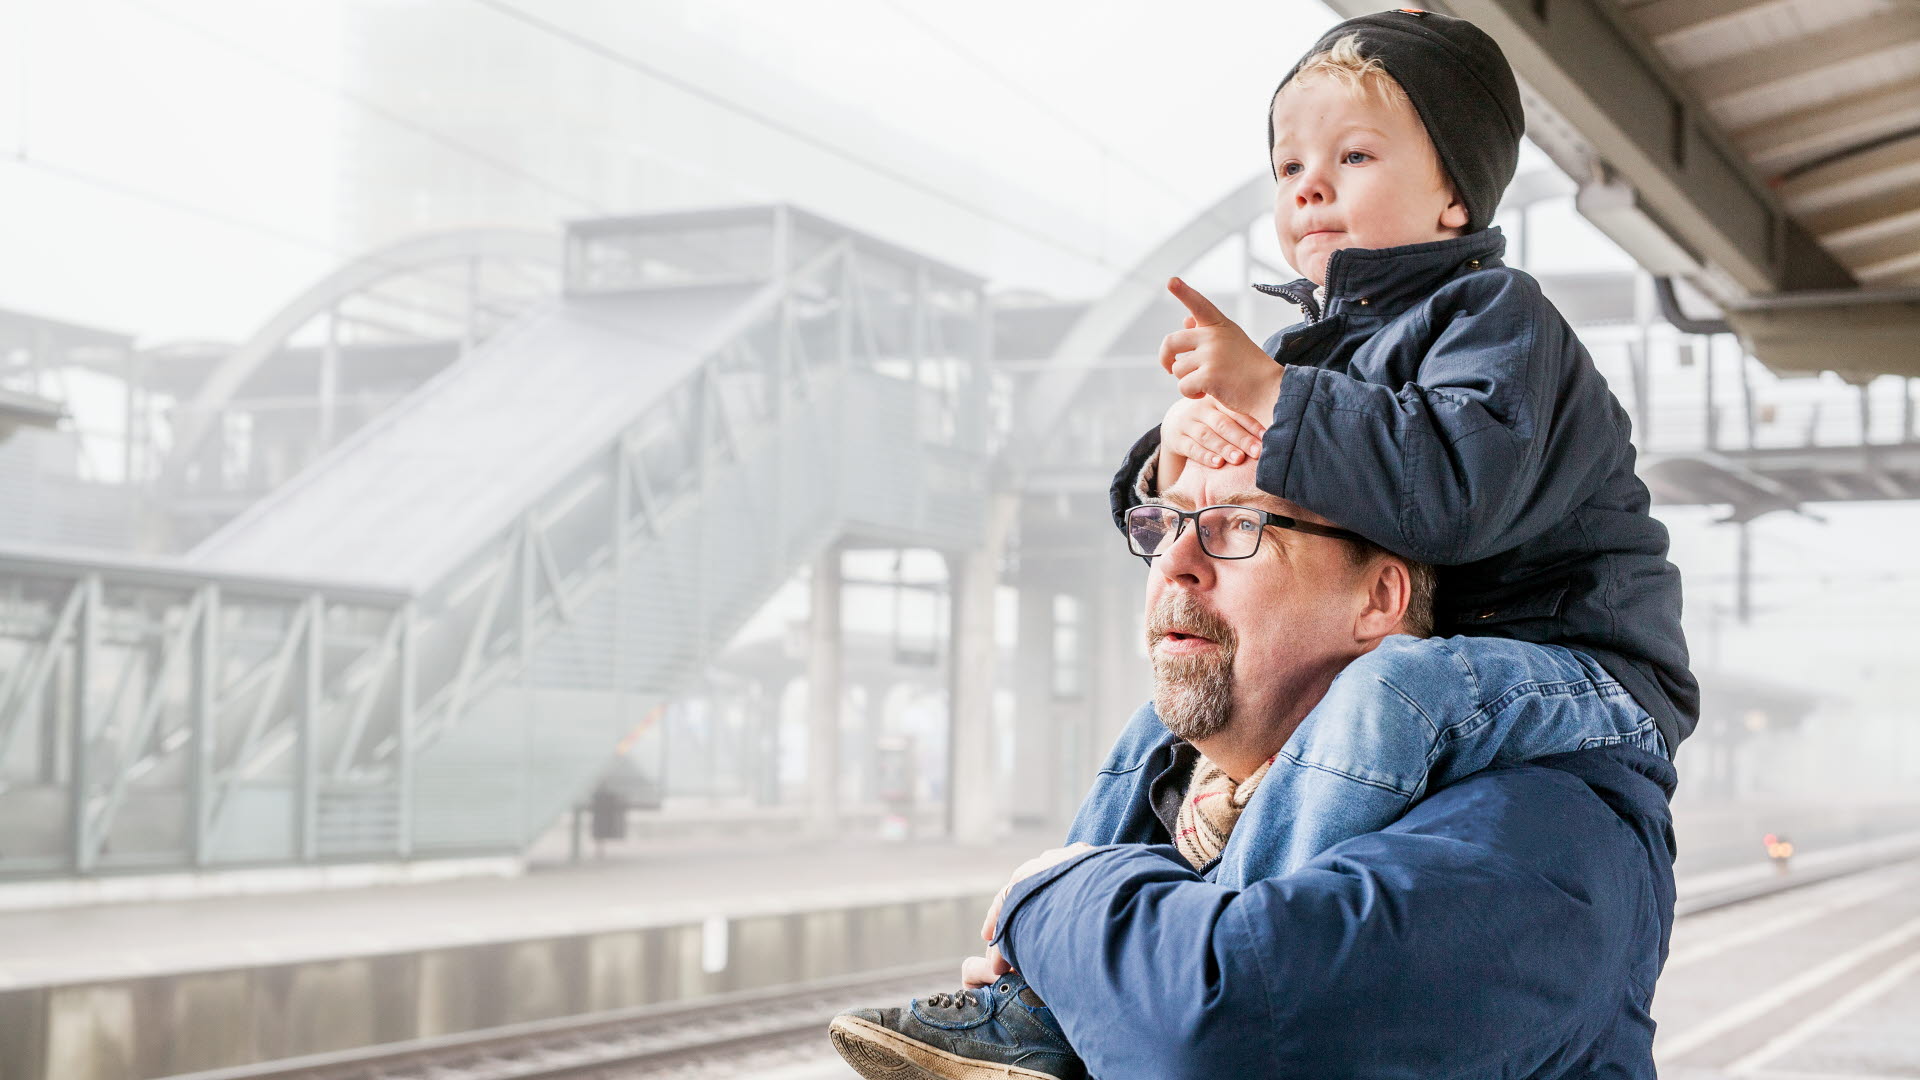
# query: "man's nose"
[[1184, 561]]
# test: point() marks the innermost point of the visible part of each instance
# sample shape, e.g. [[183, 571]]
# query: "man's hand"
[[1203, 430], [1049, 858], [1213, 356], [978, 971]]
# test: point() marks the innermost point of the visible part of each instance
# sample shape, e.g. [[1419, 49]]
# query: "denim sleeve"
[[1503, 431], [1498, 933]]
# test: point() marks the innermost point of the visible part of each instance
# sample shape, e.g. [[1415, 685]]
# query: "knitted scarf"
[[1212, 805]]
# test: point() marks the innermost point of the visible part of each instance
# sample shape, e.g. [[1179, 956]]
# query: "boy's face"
[[1354, 171]]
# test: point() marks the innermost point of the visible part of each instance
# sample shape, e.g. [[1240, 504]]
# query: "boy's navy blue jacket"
[[1510, 925], [1442, 408]]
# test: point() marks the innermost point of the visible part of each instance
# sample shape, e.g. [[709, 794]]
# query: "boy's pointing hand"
[[1212, 355]]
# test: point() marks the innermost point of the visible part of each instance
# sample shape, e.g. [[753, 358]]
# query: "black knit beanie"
[[1461, 86]]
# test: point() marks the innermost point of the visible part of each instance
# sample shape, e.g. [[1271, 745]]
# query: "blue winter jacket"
[[1510, 925], [1442, 408]]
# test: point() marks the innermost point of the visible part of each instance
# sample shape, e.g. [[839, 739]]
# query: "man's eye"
[[1351, 154], [1246, 524]]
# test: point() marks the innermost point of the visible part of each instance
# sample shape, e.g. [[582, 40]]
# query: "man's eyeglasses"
[[1226, 532]]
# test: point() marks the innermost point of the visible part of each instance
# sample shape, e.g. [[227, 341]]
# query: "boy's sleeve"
[[1505, 431]]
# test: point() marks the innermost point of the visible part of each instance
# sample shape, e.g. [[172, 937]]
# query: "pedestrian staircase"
[[430, 641]]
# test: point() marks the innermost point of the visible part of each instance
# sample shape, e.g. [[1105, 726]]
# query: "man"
[[1511, 923]]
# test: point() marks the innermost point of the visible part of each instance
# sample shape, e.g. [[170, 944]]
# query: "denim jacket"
[[1441, 407], [1509, 925]]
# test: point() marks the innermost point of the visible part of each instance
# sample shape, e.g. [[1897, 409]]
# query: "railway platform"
[[126, 991], [130, 991]]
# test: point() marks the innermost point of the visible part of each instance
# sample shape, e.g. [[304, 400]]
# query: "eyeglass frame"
[[1267, 517]]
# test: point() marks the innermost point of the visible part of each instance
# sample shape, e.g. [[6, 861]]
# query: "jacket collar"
[[1387, 281]]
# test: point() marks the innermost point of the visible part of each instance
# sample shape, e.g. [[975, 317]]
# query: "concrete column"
[[824, 678], [1118, 679], [977, 810], [1037, 733], [329, 392]]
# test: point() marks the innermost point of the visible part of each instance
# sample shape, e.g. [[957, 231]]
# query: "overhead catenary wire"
[[1041, 104], [442, 139], [641, 67], [373, 108], [587, 202], [424, 130], [235, 221], [85, 177]]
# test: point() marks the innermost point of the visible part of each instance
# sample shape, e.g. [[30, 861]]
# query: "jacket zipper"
[[1301, 300]]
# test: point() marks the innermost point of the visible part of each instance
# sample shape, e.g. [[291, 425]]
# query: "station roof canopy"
[[1764, 152]]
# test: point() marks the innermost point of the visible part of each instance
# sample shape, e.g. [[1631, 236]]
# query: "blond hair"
[[1365, 75]]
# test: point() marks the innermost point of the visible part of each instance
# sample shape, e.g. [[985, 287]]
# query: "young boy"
[[1435, 403]]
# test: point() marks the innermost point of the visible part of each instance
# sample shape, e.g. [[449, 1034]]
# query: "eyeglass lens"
[[1226, 532]]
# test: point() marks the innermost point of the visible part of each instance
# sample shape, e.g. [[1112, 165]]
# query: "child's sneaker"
[[997, 1031]]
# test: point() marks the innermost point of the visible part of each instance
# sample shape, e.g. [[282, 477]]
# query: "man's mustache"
[[1177, 612]]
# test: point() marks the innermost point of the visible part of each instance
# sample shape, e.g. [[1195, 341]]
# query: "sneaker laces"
[[958, 999]]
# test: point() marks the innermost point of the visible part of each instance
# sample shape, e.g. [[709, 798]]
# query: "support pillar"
[[1711, 414], [329, 393], [80, 738], [1038, 736], [1743, 584], [976, 796], [1118, 678], [825, 665]]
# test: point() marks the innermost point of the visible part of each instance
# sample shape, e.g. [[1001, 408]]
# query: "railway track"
[[711, 1037], [655, 1040]]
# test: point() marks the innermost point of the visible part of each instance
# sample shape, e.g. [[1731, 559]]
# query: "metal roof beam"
[[1869, 214], [1858, 333], [1672, 18], [1849, 43], [1780, 142], [1828, 198]]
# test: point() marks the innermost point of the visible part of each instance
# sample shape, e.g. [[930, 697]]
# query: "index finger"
[[1204, 313]]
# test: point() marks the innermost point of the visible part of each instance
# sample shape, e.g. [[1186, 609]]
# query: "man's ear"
[[1387, 591], [1455, 215]]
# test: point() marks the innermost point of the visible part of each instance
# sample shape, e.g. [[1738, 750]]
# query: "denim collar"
[[1387, 281]]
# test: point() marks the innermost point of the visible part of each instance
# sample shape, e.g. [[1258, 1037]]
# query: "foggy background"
[[173, 173]]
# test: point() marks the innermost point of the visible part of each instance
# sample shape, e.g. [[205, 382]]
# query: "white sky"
[[177, 169]]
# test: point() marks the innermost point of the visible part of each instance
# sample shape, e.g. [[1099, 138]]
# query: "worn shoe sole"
[[879, 1054]]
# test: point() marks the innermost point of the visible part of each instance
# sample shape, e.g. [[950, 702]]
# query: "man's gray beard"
[[1194, 694]]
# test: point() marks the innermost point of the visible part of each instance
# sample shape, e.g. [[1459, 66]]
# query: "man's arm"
[[1504, 431], [1500, 928]]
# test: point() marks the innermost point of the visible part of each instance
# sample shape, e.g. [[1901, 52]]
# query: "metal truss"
[[167, 716]]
